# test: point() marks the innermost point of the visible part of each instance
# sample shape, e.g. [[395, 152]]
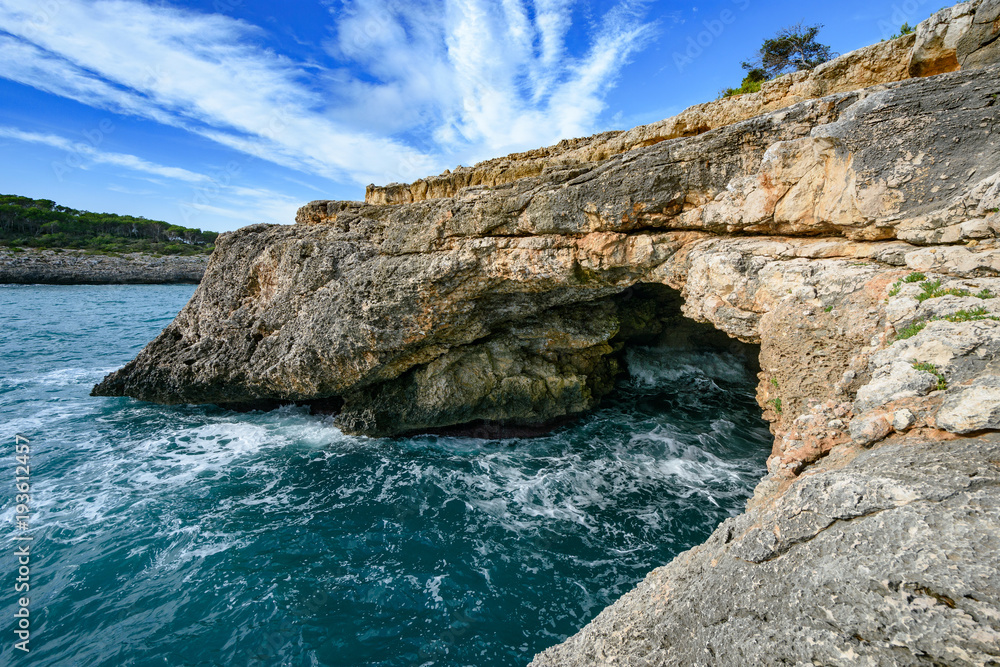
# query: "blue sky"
[[222, 113]]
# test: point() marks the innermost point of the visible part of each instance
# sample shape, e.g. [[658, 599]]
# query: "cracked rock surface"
[[853, 234], [889, 559]]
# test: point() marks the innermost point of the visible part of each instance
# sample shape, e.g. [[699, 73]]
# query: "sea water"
[[191, 535]]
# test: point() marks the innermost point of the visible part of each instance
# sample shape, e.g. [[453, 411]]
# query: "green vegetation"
[[792, 49], [914, 277], [911, 330], [828, 309], [942, 383], [932, 290], [752, 83], [41, 223], [777, 404], [964, 315], [905, 29]]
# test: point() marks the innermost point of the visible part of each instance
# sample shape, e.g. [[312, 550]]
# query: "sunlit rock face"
[[849, 229], [498, 304]]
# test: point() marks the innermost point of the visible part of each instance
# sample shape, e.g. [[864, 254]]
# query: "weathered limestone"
[[505, 303], [358, 295], [886, 557], [885, 62], [963, 36]]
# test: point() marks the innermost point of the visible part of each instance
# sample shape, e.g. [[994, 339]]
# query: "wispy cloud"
[[85, 152], [409, 87], [203, 193], [480, 77]]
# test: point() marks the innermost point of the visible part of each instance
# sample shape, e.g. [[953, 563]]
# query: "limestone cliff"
[[850, 230]]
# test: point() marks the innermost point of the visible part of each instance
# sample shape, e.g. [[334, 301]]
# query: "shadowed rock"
[[852, 235]]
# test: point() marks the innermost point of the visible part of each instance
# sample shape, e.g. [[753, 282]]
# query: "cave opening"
[[653, 344], [651, 316]]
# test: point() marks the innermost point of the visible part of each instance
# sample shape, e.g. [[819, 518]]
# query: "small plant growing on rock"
[[828, 309], [914, 277], [910, 331], [985, 294], [932, 290], [752, 83], [926, 367], [965, 315], [777, 404], [905, 29]]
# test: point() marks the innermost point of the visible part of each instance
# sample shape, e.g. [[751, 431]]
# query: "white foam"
[[650, 367]]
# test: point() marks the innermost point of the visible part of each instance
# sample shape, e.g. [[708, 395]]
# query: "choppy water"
[[197, 536]]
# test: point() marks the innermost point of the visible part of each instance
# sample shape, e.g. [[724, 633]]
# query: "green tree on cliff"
[[794, 48]]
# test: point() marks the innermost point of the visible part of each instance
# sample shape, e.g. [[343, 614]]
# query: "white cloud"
[[80, 152], [485, 77], [414, 85], [205, 194]]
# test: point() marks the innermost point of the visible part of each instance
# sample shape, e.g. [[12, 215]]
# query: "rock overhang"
[[827, 230]]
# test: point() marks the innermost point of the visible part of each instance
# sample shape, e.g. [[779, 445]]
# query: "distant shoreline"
[[76, 267]]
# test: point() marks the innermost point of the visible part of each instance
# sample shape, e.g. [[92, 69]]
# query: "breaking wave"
[[201, 536]]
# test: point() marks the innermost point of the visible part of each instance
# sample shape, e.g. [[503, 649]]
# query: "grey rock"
[[891, 383], [980, 45], [888, 560], [869, 429], [70, 267], [902, 420], [972, 408]]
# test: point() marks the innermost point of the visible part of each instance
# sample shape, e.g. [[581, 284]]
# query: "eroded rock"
[[501, 296], [972, 408], [888, 559]]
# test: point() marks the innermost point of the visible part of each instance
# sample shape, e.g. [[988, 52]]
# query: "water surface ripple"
[[196, 536]]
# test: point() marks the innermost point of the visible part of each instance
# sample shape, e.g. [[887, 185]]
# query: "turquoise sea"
[[198, 536]]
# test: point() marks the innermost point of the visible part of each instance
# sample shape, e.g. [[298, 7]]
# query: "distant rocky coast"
[[75, 267]]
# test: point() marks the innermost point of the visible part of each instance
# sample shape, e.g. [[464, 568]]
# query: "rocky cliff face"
[[852, 235], [70, 267]]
